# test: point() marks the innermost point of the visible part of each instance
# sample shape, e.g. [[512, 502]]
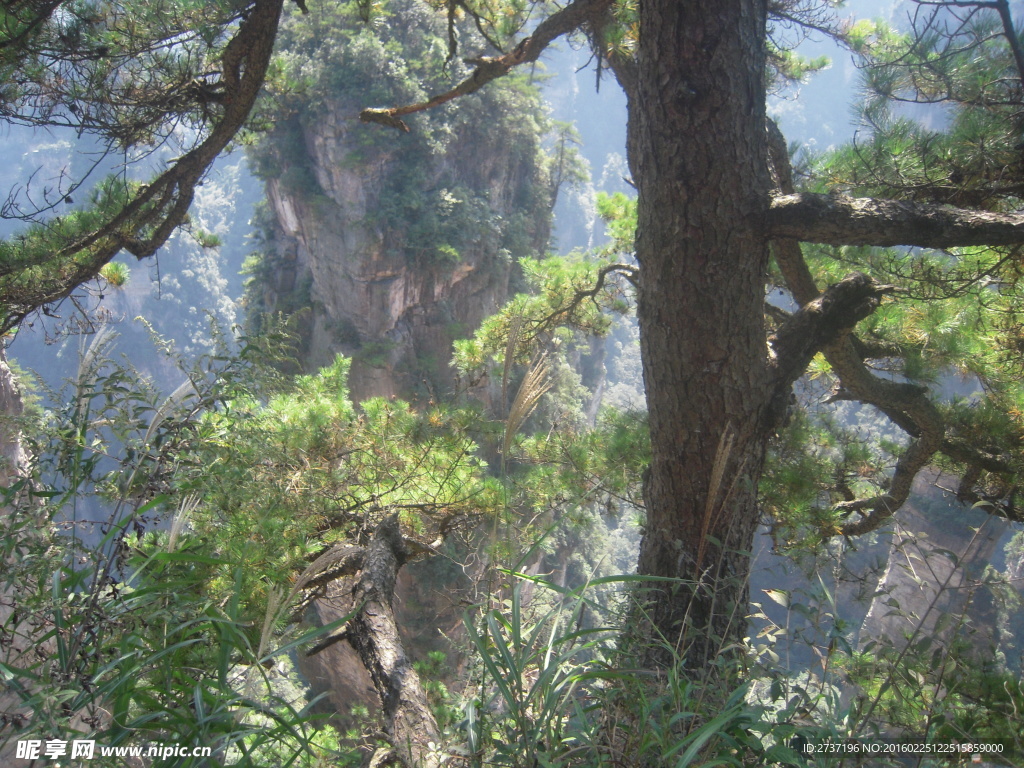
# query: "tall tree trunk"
[[697, 150]]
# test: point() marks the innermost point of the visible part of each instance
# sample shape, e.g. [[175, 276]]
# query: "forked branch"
[[908, 406], [145, 223], [373, 632], [820, 322]]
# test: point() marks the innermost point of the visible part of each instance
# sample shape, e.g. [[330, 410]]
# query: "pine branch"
[[490, 68], [908, 406], [840, 220], [820, 322], [148, 219]]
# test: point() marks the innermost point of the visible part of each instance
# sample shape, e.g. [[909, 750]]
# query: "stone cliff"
[[397, 243], [943, 570]]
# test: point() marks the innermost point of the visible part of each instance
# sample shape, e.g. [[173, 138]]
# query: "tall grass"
[[556, 691]]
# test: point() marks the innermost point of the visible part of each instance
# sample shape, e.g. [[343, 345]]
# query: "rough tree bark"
[[715, 391], [841, 220], [373, 632], [697, 153], [716, 386]]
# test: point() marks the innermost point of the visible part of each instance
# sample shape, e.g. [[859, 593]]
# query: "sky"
[[820, 113]]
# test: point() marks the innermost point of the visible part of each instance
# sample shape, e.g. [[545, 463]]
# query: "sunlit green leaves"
[[619, 215], [564, 298], [961, 145], [279, 481], [116, 274]]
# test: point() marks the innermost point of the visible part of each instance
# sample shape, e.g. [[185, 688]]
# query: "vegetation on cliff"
[[394, 245], [470, 177]]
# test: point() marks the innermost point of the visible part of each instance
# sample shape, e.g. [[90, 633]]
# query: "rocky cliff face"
[[934, 583], [369, 298], [397, 243]]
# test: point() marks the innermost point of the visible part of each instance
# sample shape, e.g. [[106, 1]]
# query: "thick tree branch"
[[1004, 505], [958, 450], [338, 561], [373, 632], [907, 405], [1002, 501], [143, 225], [786, 251], [820, 322], [626, 270], [490, 68], [877, 349], [840, 220], [914, 406]]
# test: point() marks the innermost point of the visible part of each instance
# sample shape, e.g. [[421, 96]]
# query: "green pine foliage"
[[173, 631], [128, 641], [280, 482], [961, 76], [126, 81], [942, 126], [568, 297], [101, 66], [45, 256]]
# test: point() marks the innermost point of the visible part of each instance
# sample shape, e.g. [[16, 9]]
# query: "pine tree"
[[133, 78], [718, 208]]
